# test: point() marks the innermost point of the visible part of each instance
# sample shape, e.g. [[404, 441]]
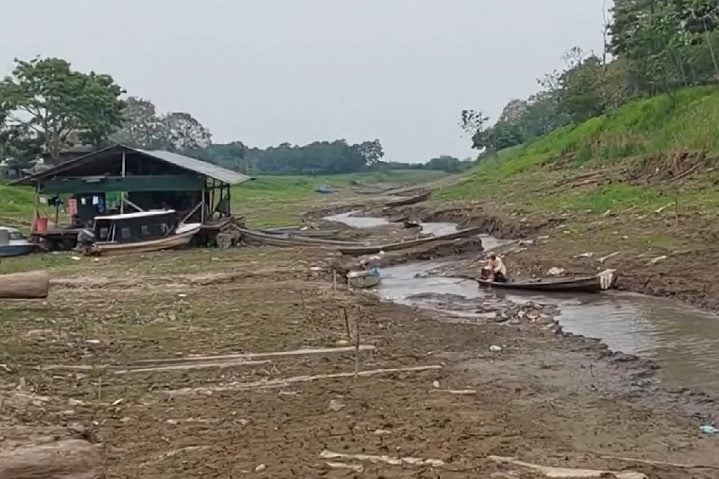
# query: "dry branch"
[[278, 383]]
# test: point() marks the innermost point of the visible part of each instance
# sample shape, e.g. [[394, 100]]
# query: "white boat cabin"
[[135, 227]]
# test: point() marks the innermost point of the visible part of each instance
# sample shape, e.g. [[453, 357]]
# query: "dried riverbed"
[[113, 357]]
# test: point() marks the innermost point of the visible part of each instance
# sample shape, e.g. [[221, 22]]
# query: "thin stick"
[[357, 341], [347, 324], [334, 279], [304, 307], [279, 383], [660, 463]]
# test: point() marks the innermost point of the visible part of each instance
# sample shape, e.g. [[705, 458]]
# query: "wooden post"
[[202, 211], [334, 279], [229, 201], [122, 194], [347, 324], [357, 341], [37, 208]]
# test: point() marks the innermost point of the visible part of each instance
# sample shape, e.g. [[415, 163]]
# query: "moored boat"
[[363, 279], [363, 250], [586, 284], [13, 243], [140, 232]]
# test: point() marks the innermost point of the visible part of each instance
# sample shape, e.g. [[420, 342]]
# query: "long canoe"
[[363, 250], [292, 240], [410, 201], [325, 234], [586, 284]]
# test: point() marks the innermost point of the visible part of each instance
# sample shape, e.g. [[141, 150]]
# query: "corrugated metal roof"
[[204, 168], [198, 166]]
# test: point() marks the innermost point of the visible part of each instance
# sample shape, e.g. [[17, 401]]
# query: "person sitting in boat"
[[494, 269]]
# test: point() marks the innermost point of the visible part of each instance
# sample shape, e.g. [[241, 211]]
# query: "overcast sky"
[[270, 71]]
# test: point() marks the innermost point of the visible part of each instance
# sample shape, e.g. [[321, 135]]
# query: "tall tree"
[[181, 131], [47, 96], [141, 126], [372, 151]]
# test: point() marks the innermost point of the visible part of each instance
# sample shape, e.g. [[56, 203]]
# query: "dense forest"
[[46, 107], [650, 47]]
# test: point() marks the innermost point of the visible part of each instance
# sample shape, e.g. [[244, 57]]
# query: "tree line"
[[650, 47], [47, 107]]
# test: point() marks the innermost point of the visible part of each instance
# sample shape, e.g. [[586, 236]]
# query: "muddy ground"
[[107, 358]]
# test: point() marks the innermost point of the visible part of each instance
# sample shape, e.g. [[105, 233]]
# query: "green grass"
[[16, 205], [530, 176], [280, 200]]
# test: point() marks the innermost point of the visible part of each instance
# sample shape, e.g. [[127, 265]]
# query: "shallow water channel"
[[682, 340]]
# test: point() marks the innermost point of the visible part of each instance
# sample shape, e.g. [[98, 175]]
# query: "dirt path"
[[543, 399]]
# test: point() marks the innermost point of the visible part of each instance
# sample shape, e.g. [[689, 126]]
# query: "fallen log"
[[68, 459], [31, 285]]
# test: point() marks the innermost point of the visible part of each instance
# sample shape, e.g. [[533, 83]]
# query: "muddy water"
[[351, 219], [682, 340]]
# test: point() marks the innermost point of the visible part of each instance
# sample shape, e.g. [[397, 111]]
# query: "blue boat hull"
[[16, 250]]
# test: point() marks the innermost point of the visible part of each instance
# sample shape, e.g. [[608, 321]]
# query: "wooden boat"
[[363, 250], [325, 234], [13, 243], [363, 279], [587, 284], [140, 232], [292, 240], [410, 200]]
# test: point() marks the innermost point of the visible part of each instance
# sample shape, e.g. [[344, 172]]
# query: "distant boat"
[[325, 190], [140, 232], [13, 243]]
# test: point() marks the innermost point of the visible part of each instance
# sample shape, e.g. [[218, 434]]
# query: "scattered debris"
[[612, 255], [260, 468], [457, 392], [435, 384], [563, 472], [495, 349], [394, 461], [336, 405], [341, 465], [585, 255], [708, 429], [657, 259], [554, 271], [382, 432]]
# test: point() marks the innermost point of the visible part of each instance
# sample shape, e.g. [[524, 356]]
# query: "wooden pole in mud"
[[334, 279], [347, 324], [357, 341]]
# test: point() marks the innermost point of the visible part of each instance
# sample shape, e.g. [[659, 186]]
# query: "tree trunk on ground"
[[68, 459], [32, 285]]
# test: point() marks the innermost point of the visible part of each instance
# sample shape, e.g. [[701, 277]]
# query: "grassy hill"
[[637, 157]]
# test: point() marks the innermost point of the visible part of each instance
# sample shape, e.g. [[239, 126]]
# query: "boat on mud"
[[140, 232], [13, 243], [363, 279], [586, 284], [409, 200], [307, 233], [363, 250], [291, 239]]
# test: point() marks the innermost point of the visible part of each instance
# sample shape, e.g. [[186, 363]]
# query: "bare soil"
[[544, 398]]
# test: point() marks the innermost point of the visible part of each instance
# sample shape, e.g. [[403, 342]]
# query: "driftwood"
[[568, 473], [660, 463], [279, 383], [394, 461], [68, 459], [187, 362], [31, 285]]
